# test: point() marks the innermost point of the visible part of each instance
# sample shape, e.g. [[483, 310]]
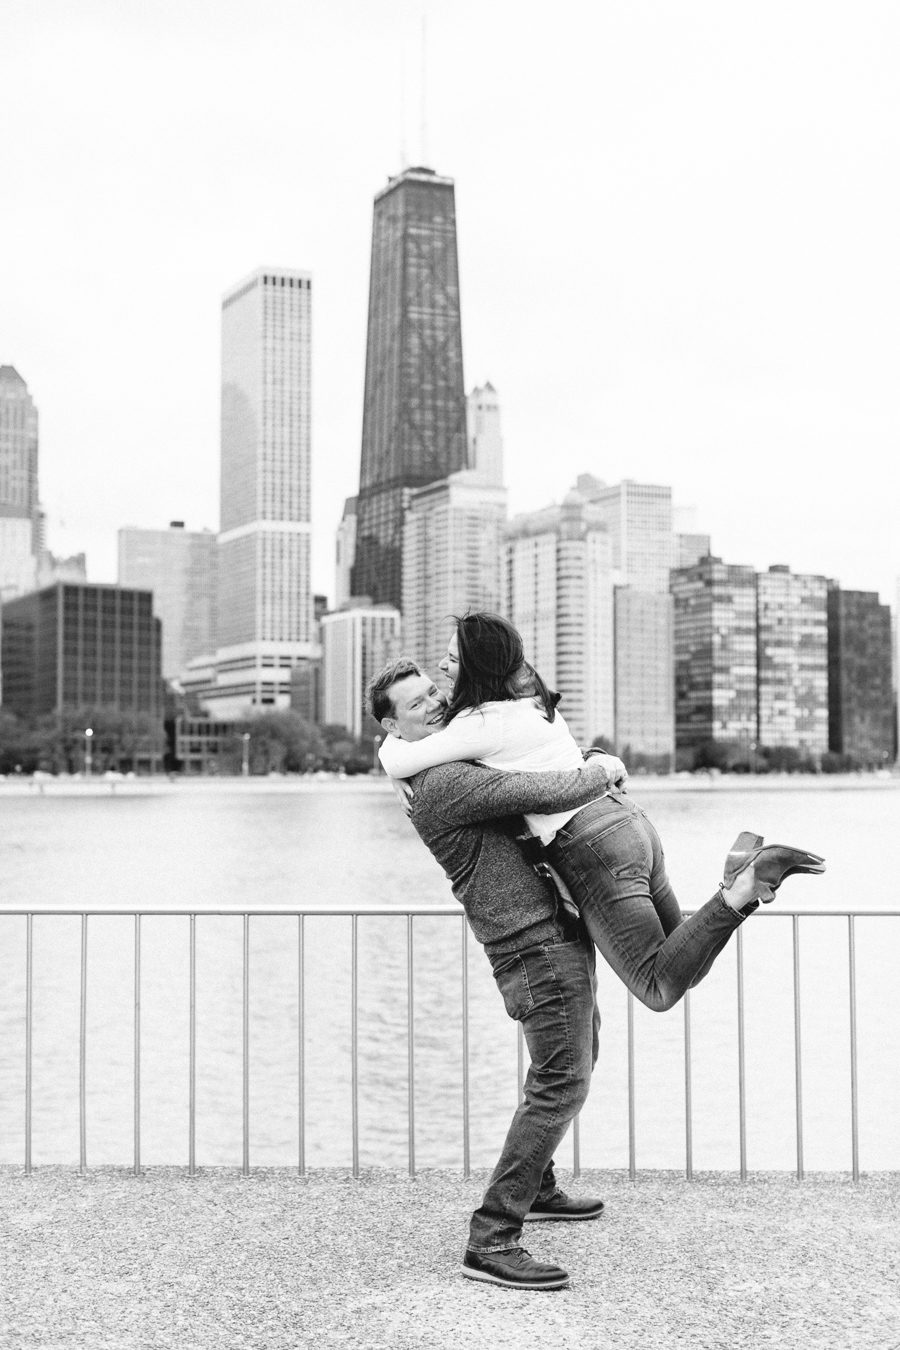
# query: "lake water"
[[276, 845]]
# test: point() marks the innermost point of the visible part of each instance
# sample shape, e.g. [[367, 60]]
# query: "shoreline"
[[159, 785]]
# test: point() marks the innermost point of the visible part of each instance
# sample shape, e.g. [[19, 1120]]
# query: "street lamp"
[[245, 753], [88, 733]]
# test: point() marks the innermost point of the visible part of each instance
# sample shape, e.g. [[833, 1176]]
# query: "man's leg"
[[551, 991]]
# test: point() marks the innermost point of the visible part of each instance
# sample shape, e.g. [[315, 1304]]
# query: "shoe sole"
[[471, 1274], [562, 1218]]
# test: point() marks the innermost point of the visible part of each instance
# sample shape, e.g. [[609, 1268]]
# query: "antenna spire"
[[424, 119]]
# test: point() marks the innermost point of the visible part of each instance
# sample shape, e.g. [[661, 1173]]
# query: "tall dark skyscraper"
[[414, 411]]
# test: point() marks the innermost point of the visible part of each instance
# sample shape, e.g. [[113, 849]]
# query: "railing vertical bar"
[[301, 1050], [354, 1039], [576, 1146], [742, 1062], [520, 1062], [192, 1046], [854, 1082], [29, 1028], [798, 1064], [688, 1093], [632, 1151], [245, 1166], [137, 1044], [410, 1047], [82, 1052], [465, 1046]]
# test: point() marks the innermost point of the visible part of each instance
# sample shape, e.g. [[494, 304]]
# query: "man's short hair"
[[378, 690]]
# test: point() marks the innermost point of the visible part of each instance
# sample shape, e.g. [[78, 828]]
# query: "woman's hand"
[[404, 793], [615, 769]]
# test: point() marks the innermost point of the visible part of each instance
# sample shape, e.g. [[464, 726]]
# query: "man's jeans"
[[610, 857], [551, 990]]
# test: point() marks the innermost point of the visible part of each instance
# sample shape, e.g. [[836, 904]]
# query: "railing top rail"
[[396, 911]]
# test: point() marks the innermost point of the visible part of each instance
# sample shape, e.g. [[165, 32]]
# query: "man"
[[542, 960]]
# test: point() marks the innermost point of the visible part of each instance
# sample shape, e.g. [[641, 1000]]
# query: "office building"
[[21, 521], [81, 646], [451, 559], [484, 433], [414, 405], [356, 643], [345, 554], [792, 660], [179, 566], [52, 568], [715, 657], [860, 694], [691, 549], [558, 591], [265, 610]]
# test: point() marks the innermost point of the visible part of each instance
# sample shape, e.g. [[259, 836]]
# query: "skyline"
[[676, 236]]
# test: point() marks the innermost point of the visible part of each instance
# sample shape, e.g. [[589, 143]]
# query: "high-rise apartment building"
[[356, 643], [179, 566], [558, 591], [20, 516], [485, 435], [345, 554], [792, 660], [414, 407], [860, 694], [715, 656], [451, 559], [81, 646], [265, 610]]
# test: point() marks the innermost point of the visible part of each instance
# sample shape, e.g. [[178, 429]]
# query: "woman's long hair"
[[492, 666]]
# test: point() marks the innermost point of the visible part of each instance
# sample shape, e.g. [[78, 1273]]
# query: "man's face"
[[418, 708], [450, 663]]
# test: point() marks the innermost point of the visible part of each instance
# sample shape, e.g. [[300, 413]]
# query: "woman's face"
[[450, 663]]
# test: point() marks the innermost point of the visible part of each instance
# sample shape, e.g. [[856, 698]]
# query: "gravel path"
[[276, 1260]]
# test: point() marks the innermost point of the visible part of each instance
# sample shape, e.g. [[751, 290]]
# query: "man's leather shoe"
[[562, 1206], [515, 1268]]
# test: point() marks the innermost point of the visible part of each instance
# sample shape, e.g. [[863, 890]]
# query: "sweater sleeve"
[[467, 793], [472, 736]]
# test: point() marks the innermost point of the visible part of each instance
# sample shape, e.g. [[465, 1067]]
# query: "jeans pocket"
[[621, 848], [512, 981]]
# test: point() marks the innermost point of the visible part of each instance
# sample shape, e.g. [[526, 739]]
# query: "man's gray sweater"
[[469, 816]]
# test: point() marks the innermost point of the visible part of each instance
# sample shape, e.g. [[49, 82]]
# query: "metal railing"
[[408, 915]]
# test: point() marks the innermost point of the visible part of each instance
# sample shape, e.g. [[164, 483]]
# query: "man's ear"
[[390, 725]]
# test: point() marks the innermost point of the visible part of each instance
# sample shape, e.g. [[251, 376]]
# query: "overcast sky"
[[679, 235]]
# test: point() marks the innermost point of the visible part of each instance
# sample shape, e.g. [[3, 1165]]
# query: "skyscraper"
[[558, 591], [452, 538], [20, 517], [485, 436], [414, 407], [179, 567], [345, 554], [860, 695], [356, 643], [265, 614], [638, 517], [715, 656], [792, 660]]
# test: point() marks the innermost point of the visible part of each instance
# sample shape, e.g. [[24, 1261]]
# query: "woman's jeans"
[[610, 857], [551, 990]]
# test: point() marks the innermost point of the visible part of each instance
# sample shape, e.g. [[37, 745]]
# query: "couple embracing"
[[551, 861]]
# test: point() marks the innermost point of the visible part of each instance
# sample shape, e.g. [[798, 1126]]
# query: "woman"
[[608, 853]]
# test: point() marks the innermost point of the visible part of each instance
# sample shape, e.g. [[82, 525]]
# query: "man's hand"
[[616, 772]]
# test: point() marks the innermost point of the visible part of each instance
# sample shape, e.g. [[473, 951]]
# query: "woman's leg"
[[611, 858]]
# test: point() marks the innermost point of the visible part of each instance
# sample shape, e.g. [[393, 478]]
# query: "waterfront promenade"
[[276, 1260]]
